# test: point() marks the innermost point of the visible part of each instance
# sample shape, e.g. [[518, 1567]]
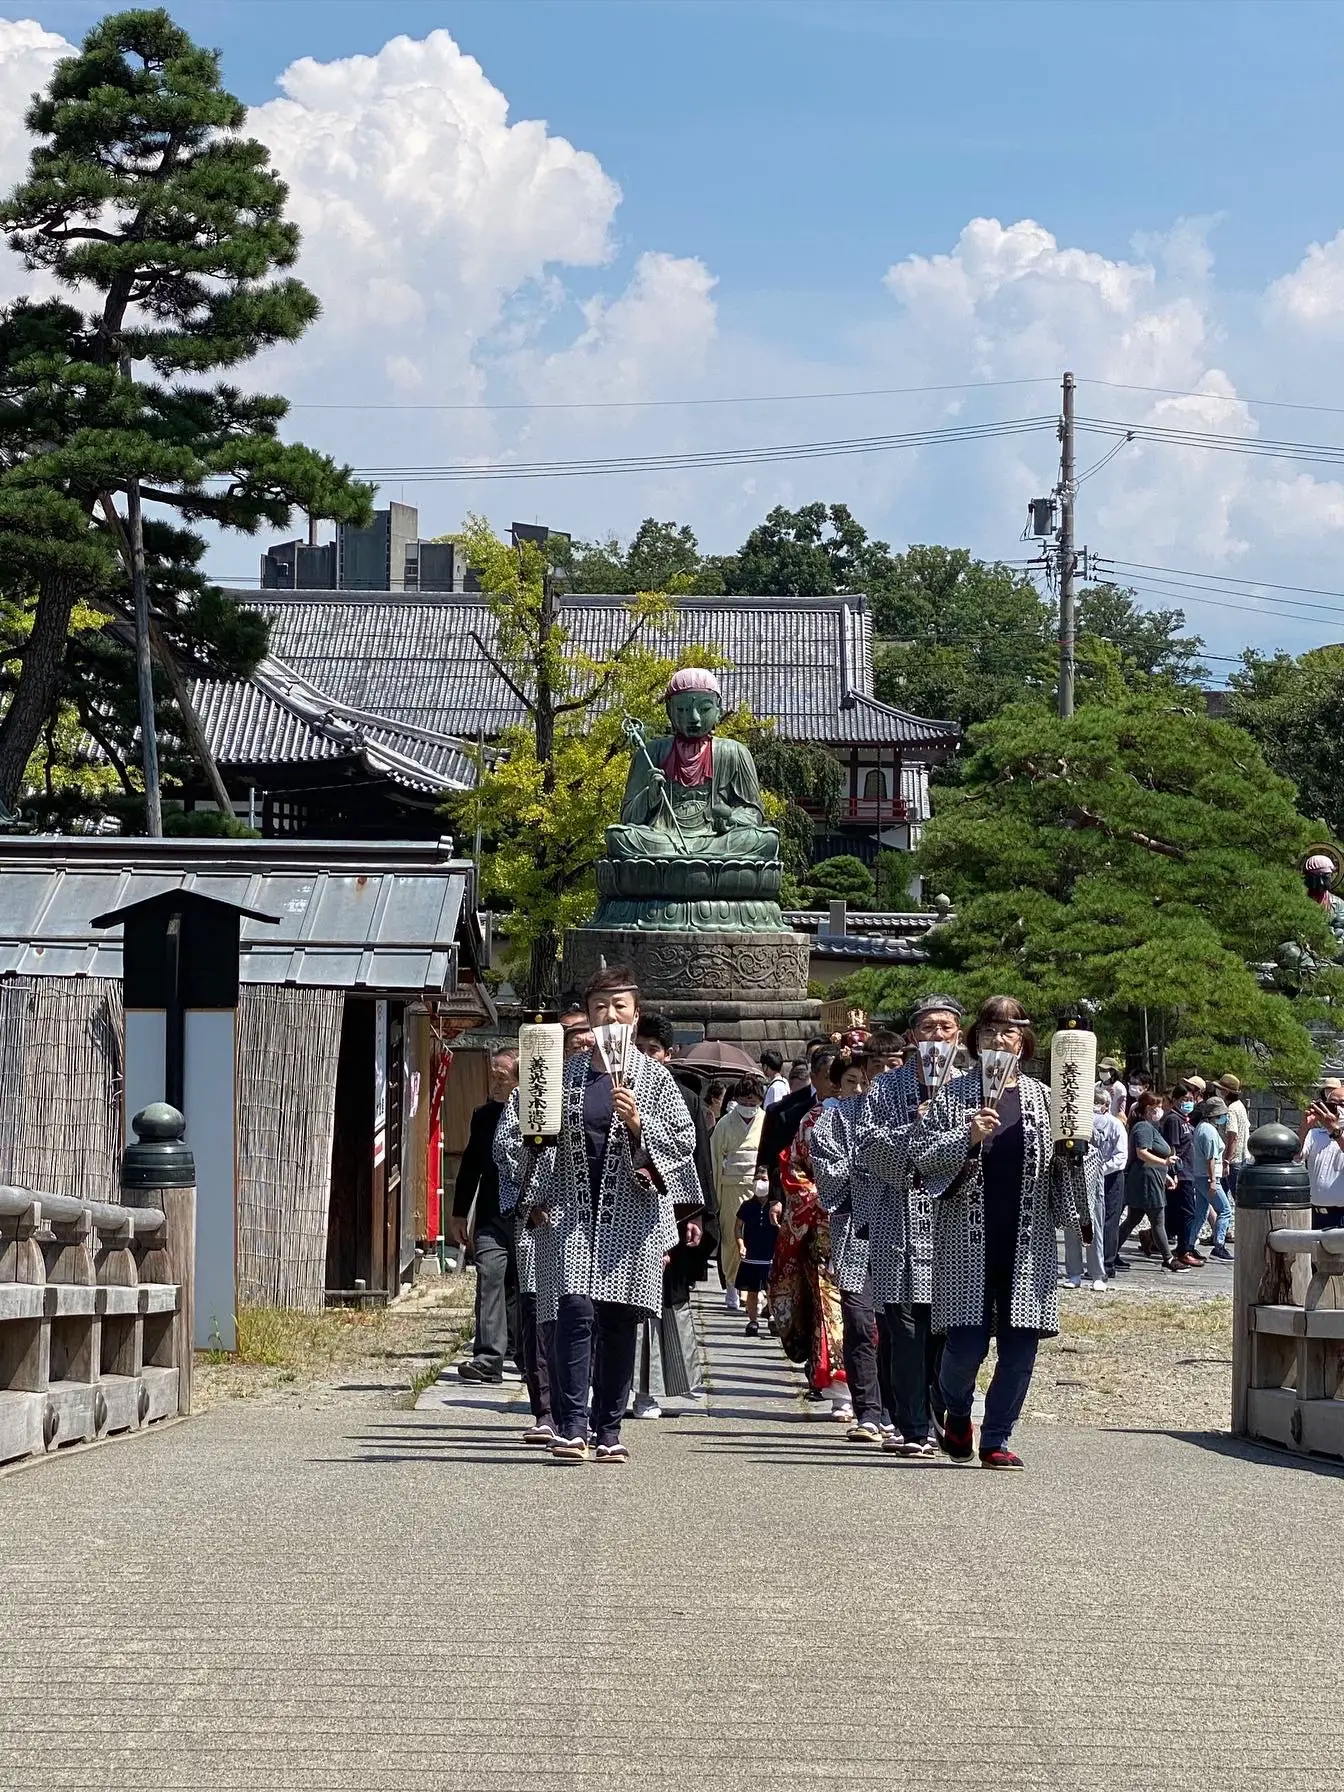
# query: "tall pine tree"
[[165, 225]]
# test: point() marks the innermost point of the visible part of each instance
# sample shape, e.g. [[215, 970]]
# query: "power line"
[[1328, 453], [720, 457], [1222, 578], [1281, 404], [648, 404]]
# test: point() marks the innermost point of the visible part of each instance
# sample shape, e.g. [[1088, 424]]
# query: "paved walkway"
[[332, 1598]]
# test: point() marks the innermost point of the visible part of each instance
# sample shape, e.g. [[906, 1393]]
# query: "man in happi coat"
[[612, 1188], [899, 1212], [843, 1190]]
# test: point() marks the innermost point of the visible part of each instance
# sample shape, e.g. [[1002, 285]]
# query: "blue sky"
[[766, 198]]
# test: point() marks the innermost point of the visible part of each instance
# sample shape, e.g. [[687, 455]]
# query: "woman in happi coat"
[[843, 1191], [612, 1189], [999, 1194], [804, 1299]]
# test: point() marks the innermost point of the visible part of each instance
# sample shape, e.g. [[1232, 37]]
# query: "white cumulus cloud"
[[27, 56], [1312, 296]]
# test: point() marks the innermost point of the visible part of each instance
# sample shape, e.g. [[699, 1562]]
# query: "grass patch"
[[275, 1338], [1211, 1318]]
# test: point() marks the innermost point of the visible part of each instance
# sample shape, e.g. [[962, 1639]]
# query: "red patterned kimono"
[[804, 1301]]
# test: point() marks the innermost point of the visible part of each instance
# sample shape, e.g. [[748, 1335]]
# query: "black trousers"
[[594, 1347], [1114, 1187], [859, 1343], [496, 1294], [884, 1381], [538, 1347], [1136, 1214], [916, 1352]]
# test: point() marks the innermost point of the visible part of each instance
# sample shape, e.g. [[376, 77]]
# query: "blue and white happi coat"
[[898, 1208], [513, 1161], [1055, 1193], [842, 1190], [609, 1247]]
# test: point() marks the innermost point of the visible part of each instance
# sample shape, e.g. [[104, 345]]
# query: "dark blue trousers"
[[967, 1347], [594, 1348]]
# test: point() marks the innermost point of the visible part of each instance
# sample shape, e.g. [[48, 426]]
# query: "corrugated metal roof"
[[340, 926], [411, 661]]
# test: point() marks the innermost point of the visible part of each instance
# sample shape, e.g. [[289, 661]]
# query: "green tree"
[[1149, 643], [959, 638], [166, 227], [1294, 709], [1140, 857], [556, 780], [817, 551], [660, 557], [842, 879]]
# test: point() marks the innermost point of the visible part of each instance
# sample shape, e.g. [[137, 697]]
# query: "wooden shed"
[[346, 1014]]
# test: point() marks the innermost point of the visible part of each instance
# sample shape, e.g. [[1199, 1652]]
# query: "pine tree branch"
[[486, 654], [1087, 818]]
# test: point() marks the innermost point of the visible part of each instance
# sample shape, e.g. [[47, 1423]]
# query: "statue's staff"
[[634, 733]]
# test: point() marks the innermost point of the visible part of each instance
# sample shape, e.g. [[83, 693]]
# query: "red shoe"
[[1000, 1458], [958, 1439], [1190, 1260]]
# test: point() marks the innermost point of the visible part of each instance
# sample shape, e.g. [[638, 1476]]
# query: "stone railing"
[[1288, 1319], [95, 1315]]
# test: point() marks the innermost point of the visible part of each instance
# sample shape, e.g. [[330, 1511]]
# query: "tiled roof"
[[411, 660], [280, 717]]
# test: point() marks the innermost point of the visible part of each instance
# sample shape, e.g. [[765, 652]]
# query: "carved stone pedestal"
[[743, 986]]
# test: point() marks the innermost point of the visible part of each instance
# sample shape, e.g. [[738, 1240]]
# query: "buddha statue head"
[[694, 703]]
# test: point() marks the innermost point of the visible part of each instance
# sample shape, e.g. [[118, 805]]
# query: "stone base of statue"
[[690, 895], [747, 985]]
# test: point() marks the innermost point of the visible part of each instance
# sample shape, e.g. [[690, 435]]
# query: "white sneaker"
[[1100, 1287], [732, 1300], [647, 1409], [845, 1413], [1075, 1281]]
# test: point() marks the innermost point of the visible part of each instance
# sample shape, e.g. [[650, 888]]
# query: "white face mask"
[[762, 1190]]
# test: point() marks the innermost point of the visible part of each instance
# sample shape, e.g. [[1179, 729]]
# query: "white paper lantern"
[[541, 1075], [1073, 1079]]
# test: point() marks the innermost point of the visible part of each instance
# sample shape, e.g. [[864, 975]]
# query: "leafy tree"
[[660, 557], [813, 552], [842, 879], [1138, 856], [1294, 709], [166, 227], [959, 638], [1149, 643], [556, 780]]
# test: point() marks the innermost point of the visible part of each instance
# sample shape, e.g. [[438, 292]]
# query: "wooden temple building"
[[364, 714]]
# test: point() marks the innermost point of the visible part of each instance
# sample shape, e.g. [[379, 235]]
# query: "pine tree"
[[166, 227], [1138, 856]]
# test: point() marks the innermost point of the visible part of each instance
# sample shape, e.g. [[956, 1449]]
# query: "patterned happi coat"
[[898, 1207], [609, 1248], [1054, 1193], [534, 1244], [842, 1191]]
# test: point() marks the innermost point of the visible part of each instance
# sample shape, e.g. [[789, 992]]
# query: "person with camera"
[[1322, 1137]]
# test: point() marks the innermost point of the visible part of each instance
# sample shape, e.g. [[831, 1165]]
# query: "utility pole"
[[144, 669], [1067, 556]]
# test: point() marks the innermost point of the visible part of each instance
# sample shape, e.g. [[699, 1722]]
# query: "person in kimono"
[[804, 1300], [841, 1189], [612, 1188], [999, 1194], [900, 1231]]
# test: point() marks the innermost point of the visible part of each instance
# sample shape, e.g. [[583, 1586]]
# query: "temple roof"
[[405, 673]]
